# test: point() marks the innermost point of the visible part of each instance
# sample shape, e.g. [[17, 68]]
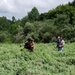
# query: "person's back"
[[30, 44], [26, 45]]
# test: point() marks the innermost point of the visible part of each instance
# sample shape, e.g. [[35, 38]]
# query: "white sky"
[[20, 8]]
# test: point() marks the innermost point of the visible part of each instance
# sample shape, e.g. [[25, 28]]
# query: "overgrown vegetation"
[[45, 60]]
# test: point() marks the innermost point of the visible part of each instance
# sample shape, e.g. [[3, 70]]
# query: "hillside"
[[45, 60], [43, 27]]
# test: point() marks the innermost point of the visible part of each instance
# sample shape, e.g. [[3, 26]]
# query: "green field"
[[45, 60]]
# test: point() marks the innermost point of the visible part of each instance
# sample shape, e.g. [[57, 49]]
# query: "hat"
[[30, 39]]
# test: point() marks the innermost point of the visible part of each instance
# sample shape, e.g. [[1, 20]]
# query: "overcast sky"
[[20, 8]]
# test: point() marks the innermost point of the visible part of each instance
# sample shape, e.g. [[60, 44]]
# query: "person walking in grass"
[[29, 44], [60, 43]]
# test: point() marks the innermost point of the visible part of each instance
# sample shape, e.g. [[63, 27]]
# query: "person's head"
[[60, 37], [30, 39]]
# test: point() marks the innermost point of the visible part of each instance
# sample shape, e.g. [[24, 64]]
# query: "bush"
[[4, 36], [18, 38], [46, 37], [28, 28], [34, 36]]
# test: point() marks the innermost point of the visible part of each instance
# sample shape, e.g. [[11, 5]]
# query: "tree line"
[[42, 27]]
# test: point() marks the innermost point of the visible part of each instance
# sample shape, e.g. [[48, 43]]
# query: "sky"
[[20, 8]]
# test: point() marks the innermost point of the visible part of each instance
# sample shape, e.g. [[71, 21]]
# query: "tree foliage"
[[33, 14], [42, 27]]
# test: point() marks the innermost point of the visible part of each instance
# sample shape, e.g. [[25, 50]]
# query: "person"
[[29, 44], [60, 43]]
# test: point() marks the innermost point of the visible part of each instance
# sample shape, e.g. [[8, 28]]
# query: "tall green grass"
[[45, 60]]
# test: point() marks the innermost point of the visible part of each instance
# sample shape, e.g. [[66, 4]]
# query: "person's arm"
[[32, 44]]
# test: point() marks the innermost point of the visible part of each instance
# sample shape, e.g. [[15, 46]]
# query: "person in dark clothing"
[[58, 41], [29, 44]]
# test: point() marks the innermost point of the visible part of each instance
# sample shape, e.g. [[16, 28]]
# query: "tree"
[[24, 20], [28, 28], [33, 14], [4, 24], [72, 3], [42, 16], [13, 19]]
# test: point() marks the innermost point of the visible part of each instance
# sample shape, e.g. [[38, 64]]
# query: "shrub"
[[4, 36]]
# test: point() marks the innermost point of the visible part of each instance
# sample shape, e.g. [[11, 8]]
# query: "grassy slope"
[[45, 60]]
